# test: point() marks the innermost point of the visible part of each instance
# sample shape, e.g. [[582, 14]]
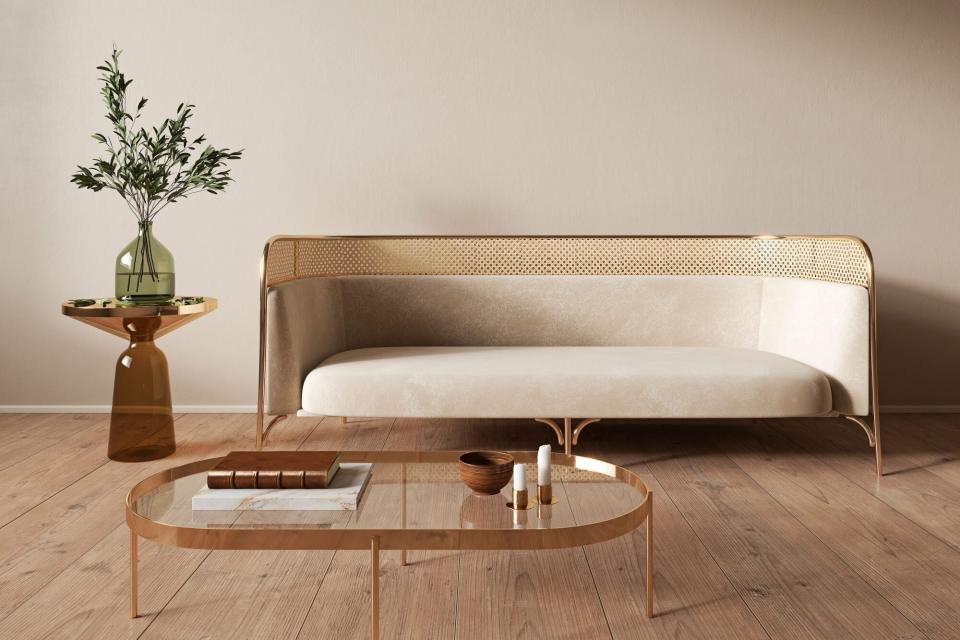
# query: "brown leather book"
[[274, 470]]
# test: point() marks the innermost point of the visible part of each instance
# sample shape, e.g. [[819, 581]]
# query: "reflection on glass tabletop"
[[419, 495]]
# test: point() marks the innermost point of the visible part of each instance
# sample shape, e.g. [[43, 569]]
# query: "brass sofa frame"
[[842, 259]]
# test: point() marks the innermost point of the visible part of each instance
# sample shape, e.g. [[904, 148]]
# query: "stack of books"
[[283, 481]]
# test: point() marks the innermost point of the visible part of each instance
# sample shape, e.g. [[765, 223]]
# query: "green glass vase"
[[145, 270]]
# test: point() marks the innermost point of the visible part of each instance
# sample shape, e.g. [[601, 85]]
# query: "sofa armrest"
[[825, 325], [304, 326]]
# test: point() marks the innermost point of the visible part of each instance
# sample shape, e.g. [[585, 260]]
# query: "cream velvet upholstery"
[[306, 327], [761, 329], [478, 311], [825, 325], [609, 382]]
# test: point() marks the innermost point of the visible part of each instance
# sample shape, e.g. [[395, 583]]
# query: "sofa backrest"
[[322, 296], [382, 311]]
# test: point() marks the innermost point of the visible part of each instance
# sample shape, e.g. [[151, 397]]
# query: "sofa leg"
[[262, 433], [550, 422], [873, 436], [569, 434], [581, 426]]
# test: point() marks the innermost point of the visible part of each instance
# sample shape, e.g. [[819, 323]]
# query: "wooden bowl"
[[486, 472]]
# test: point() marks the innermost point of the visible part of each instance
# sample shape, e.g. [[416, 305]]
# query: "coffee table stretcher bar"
[[403, 539]]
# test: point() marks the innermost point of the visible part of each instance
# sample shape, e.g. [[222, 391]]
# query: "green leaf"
[[155, 166]]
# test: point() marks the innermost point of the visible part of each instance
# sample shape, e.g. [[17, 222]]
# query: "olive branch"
[[150, 168]]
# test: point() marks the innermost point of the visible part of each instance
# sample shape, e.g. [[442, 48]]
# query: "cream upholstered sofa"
[[570, 328]]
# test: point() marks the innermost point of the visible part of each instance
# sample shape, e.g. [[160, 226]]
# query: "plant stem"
[[143, 261], [134, 265], [153, 265]]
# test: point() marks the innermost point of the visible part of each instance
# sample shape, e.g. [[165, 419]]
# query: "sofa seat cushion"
[[594, 382]]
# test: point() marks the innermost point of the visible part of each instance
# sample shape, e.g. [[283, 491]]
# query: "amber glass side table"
[[141, 422]]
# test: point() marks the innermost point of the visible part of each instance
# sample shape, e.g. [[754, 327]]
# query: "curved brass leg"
[[550, 422], [873, 436], [262, 438], [568, 435], [581, 426], [866, 428]]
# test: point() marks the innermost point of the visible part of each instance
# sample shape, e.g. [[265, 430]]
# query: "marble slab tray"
[[343, 494]]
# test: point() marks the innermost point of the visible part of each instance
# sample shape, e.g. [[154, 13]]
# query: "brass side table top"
[[413, 500], [141, 420], [108, 313]]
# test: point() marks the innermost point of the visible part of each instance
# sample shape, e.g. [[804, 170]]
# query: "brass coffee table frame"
[[392, 539]]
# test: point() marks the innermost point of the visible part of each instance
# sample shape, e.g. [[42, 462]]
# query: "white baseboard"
[[920, 408], [105, 408]]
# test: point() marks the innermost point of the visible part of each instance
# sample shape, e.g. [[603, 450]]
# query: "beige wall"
[[480, 117]]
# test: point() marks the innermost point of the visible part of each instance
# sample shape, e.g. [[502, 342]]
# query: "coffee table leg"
[[650, 559], [133, 574], [403, 509], [375, 588]]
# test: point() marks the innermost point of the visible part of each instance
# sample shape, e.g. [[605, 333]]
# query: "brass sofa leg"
[[581, 426], [569, 434], [873, 436], [262, 433], [550, 422]]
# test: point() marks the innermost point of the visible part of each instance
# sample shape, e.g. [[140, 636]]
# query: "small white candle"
[[543, 465], [520, 477]]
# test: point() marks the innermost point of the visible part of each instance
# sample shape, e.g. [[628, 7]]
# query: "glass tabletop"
[[419, 495]]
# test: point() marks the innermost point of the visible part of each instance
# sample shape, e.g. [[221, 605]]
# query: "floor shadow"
[[911, 442], [920, 467], [654, 439]]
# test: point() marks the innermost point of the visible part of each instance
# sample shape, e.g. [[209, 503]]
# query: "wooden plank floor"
[[764, 529]]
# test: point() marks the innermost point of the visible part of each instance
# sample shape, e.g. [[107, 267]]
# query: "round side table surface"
[[108, 314]]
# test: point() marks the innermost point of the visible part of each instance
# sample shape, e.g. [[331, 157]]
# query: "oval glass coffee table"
[[413, 500]]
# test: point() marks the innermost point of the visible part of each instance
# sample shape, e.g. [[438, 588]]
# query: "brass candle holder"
[[520, 502]]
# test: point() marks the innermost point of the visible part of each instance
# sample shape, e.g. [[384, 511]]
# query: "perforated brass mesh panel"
[[450, 472], [832, 259]]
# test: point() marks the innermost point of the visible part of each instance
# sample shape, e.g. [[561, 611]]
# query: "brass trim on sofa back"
[[830, 258]]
